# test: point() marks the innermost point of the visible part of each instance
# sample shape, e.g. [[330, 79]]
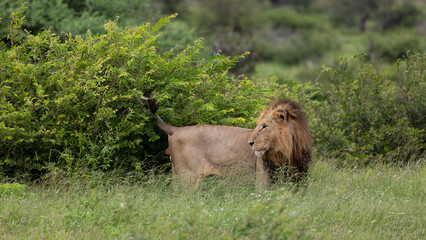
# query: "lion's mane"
[[293, 147]]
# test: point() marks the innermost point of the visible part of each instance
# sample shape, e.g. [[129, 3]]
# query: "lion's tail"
[[164, 126], [153, 107]]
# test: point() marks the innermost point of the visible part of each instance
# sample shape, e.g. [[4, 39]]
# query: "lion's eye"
[[264, 126]]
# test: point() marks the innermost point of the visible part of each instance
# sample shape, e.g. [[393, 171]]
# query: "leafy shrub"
[[363, 117], [230, 25], [385, 14], [399, 14], [292, 37], [75, 105], [233, 16], [78, 16], [393, 45], [178, 35], [293, 47], [13, 189], [284, 17]]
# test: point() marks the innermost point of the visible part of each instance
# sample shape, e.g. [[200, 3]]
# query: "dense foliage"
[[76, 104], [364, 116], [287, 32], [77, 16]]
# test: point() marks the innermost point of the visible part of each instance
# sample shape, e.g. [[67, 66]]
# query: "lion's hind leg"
[[184, 177], [184, 180]]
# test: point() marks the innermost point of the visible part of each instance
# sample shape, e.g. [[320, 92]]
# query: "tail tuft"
[[153, 106]]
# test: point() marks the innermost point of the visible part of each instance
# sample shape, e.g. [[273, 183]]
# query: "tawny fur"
[[198, 151]]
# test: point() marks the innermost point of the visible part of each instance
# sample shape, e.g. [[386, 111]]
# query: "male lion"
[[280, 138]]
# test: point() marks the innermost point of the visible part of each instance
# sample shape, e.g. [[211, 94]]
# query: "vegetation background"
[[71, 119]]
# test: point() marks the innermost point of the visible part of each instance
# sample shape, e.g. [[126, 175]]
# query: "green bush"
[[178, 35], [401, 13], [364, 118], [75, 104], [381, 14], [15, 189], [393, 45], [291, 48], [291, 37], [229, 25], [285, 17], [77, 16]]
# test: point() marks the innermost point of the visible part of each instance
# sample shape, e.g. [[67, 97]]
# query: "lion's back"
[[220, 145]]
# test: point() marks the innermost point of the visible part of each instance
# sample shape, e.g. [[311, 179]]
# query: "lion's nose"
[[251, 143]]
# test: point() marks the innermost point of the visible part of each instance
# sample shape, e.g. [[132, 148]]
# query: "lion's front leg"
[[261, 174]]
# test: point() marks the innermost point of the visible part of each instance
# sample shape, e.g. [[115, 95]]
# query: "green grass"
[[374, 203]]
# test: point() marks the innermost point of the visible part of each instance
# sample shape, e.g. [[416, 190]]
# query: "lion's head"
[[282, 136]]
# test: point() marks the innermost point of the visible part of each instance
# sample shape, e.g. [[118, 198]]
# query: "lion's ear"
[[282, 114]]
